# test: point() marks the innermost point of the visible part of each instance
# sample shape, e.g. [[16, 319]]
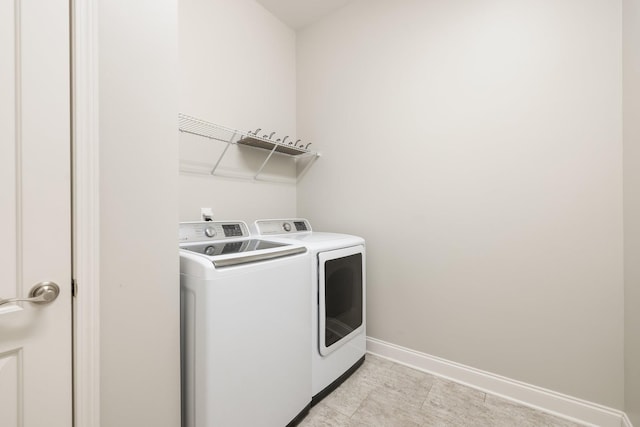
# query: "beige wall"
[[631, 73], [495, 130], [237, 69], [477, 147], [140, 337]]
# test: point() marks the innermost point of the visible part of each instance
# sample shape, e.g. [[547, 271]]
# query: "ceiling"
[[300, 13]]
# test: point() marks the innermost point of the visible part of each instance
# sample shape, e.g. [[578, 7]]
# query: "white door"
[[35, 241]]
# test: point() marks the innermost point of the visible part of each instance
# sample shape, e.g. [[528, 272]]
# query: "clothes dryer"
[[337, 285]]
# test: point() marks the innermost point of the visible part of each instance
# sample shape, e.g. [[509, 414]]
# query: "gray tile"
[[347, 398], [411, 388], [372, 374], [323, 416], [439, 413], [378, 371], [386, 407], [375, 371], [383, 393], [447, 393], [450, 403], [372, 359], [411, 372]]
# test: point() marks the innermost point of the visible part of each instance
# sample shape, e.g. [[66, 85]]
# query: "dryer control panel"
[[266, 227], [204, 231]]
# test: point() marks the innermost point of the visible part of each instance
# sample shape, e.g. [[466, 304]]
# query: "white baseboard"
[[564, 406]]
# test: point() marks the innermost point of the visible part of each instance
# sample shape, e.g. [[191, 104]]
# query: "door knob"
[[42, 293]]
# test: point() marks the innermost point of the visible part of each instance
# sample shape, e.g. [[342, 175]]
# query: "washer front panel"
[[245, 342]]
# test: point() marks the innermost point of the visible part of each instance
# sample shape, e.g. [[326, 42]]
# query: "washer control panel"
[[202, 231], [266, 227]]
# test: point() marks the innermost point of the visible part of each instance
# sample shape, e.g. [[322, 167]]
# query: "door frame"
[[85, 193]]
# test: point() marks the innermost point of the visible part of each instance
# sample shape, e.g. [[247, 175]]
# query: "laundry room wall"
[[237, 69], [139, 287], [477, 147], [631, 105]]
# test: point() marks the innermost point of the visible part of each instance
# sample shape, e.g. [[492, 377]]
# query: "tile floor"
[[385, 394]]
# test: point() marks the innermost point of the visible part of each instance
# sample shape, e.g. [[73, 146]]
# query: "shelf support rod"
[[223, 153], [308, 166], [273, 150]]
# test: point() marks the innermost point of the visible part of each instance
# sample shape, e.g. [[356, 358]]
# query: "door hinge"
[[74, 287]]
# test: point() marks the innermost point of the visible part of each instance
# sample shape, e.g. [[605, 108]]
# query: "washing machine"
[[245, 320], [337, 285]]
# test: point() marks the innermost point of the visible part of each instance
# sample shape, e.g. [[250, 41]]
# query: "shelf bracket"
[[308, 165], [224, 152], [273, 150]]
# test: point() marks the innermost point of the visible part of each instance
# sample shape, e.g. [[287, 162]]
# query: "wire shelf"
[[195, 126]]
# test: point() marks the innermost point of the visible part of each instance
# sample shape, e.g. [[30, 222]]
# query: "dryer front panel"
[[340, 297]]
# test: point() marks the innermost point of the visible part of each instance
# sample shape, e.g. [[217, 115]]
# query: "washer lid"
[[228, 253], [232, 247]]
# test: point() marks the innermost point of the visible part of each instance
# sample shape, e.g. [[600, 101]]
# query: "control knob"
[[210, 231], [286, 227]]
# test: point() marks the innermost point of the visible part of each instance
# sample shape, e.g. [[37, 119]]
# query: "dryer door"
[[341, 296]]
